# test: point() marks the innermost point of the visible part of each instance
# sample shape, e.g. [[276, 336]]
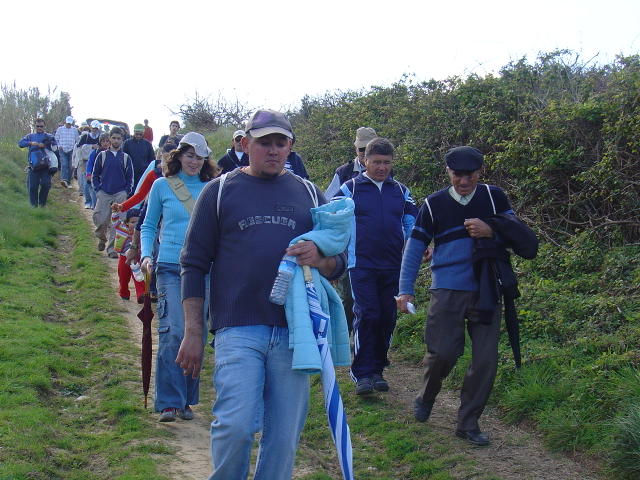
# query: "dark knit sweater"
[[258, 219], [451, 266]]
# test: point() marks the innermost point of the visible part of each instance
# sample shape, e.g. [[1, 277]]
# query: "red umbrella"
[[146, 315]]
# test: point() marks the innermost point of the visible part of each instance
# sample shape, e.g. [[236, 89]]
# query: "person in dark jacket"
[[140, 151], [235, 156], [112, 179], [39, 168], [173, 138], [294, 163], [453, 219], [353, 167], [345, 172], [384, 216]]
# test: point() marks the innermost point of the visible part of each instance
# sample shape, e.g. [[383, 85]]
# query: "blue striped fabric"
[[332, 400]]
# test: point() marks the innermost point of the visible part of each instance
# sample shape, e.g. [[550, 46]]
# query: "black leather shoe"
[[379, 383], [422, 410], [476, 437], [364, 386]]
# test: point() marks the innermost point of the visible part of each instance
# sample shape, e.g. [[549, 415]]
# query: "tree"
[[202, 113]]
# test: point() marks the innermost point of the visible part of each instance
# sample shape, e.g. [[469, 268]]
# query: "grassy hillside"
[[69, 381]]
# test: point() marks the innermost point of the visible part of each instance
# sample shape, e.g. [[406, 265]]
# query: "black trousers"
[[444, 336]]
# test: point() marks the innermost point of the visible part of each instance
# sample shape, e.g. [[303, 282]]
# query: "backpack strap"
[[181, 191], [125, 157], [351, 191], [493, 205], [426, 202], [308, 185], [223, 179], [103, 156]]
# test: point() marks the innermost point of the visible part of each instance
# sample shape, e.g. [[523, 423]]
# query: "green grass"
[[69, 382]]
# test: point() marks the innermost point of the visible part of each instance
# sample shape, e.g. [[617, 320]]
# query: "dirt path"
[[514, 454]]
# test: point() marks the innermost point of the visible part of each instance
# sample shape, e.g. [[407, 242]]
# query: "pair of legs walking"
[[445, 336], [173, 389], [124, 277], [39, 184], [102, 218], [375, 313], [256, 390], [65, 165]]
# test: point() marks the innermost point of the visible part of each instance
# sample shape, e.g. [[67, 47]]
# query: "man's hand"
[[426, 256], [192, 349], [402, 300], [306, 253], [477, 228], [190, 356], [116, 207]]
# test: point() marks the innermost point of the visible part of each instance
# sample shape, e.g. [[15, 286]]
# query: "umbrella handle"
[[306, 270]]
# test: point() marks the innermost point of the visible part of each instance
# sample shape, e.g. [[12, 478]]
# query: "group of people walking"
[[213, 236]]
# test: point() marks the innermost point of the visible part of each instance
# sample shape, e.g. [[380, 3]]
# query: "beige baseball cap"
[[363, 136]]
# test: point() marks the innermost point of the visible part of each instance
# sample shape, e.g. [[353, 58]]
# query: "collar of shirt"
[[357, 166], [379, 184], [461, 199]]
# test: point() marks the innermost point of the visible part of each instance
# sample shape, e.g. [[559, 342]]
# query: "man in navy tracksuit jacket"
[[384, 216]]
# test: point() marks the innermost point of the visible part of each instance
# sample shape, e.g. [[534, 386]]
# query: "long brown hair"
[[173, 165]]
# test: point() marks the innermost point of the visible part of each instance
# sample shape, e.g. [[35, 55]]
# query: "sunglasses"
[[362, 149], [237, 140], [39, 126]]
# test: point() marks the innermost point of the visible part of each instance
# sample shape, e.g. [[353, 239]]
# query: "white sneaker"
[[64, 183]]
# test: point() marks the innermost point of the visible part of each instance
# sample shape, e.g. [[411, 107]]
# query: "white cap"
[[69, 119], [198, 142], [95, 124], [238, 133]]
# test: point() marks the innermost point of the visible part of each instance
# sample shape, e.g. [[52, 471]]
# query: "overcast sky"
[[134, 60]]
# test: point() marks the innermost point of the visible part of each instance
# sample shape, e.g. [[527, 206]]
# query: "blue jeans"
[[256, 389], [65, 165], [39, 184], [173, 389], [89, 194]]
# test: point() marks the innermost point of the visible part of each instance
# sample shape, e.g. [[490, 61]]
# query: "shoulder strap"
[[308, 185], [493, 205], [311, 189], [223, 178], [125, 157], [426, 202], [182, 193], [103, 155]]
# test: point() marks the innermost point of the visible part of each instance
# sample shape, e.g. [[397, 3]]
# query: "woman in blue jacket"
[[187, 171]]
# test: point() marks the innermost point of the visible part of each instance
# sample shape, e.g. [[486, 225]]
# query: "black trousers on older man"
[[444, 336]]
